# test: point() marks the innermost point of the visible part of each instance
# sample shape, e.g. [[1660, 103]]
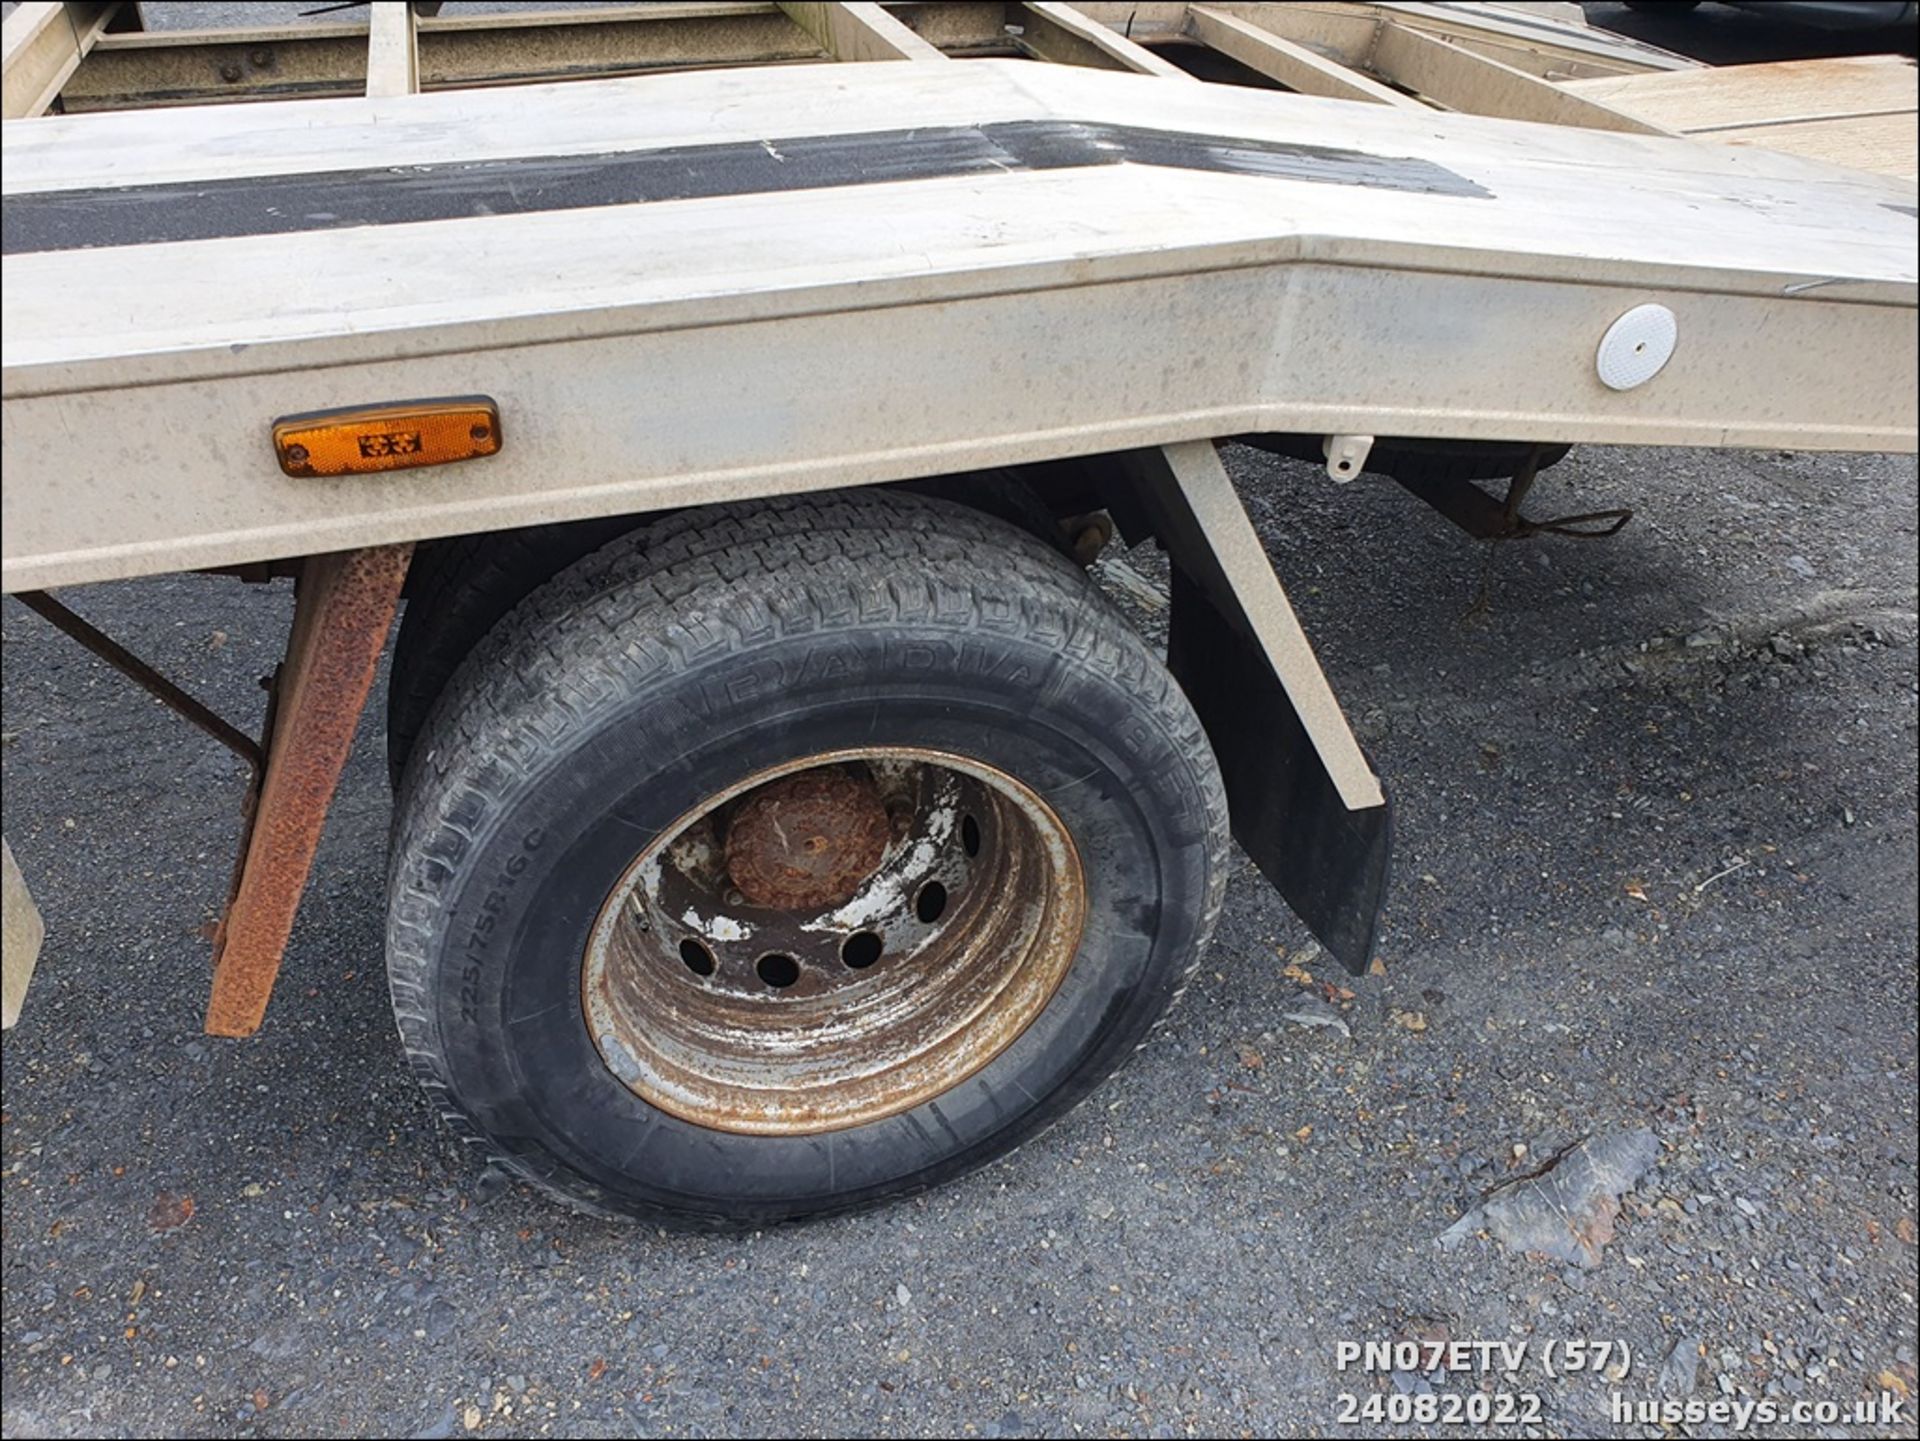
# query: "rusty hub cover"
[[807, 840]]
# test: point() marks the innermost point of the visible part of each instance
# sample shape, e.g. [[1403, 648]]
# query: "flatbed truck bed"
[[1243, 263]]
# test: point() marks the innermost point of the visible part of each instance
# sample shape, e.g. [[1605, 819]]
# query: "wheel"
[[783, 859]]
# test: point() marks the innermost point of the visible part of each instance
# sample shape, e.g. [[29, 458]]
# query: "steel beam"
[[1305, 802], [1056, 31], [393, 51], [1199, 514], [194, 67], [41, 45], [21, 932], [1461, 79], [1294, 65]]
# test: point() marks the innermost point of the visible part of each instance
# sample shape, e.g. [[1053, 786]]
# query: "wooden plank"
[[859, 30], [41, 45], [1886, 144], [1743, 95], [1860, 111], [1456, 77], [1293, 65], [1058, 32], [393, 52]]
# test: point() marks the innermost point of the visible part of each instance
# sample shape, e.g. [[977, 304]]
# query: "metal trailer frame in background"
[[1479, 58]]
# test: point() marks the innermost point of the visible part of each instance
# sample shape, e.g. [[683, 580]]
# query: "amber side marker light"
[[363, 440]]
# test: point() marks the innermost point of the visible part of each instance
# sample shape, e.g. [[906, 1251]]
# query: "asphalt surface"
[[1656, 872]]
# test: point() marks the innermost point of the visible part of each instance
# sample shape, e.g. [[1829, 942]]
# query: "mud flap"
[[1329, 863], [1306, 803]]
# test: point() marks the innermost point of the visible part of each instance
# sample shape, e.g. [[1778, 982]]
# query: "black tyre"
[[459, 588], [457, 591], [779, 860]]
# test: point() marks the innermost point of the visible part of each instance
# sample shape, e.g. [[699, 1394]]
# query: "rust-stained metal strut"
[[145, 676], [1486, 518], [343, 608]]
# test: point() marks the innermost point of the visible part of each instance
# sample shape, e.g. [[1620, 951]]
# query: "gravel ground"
[[1657, 871]]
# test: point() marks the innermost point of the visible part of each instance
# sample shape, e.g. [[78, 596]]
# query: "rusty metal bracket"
[[1482, 516], [343, 608], [144, 676]]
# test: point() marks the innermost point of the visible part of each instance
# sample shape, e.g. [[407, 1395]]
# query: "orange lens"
[[362, 441]]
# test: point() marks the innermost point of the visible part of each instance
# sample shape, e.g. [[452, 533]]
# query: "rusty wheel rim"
[[833, 941]]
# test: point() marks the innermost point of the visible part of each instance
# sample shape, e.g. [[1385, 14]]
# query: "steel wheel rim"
[[808, 1008]]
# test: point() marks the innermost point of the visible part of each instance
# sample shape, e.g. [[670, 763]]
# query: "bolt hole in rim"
[[777, 970], [931, 903], [833, 941], [862, 949]]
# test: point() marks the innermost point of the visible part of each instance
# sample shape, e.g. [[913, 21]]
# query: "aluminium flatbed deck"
[[695, 286]]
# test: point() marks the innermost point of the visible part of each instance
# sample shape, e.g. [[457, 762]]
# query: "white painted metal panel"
[[661, 353]]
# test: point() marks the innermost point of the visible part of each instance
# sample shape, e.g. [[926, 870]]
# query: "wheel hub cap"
[[807, 840]]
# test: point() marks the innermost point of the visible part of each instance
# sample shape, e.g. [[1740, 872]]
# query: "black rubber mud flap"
[[1329, 863]]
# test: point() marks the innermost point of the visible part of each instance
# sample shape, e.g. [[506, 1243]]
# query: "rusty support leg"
[[343, 610]]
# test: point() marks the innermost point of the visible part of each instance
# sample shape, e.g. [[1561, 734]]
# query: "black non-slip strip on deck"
[[340, 199]]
